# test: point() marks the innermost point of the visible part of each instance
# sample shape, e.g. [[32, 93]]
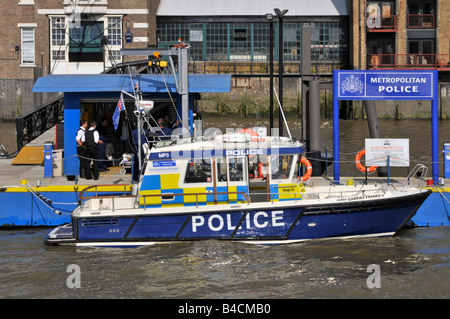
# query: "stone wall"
[[249, 97]]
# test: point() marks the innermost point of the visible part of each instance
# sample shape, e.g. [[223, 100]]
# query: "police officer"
[[81, 148], [91, 141]]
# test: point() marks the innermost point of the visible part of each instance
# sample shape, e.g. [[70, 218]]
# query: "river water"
[[413, 264]]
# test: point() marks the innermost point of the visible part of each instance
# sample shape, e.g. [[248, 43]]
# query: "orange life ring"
[[308, 173], [360, 166]]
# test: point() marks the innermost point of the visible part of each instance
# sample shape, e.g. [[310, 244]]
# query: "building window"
[[28, 50], [421, 52], [218, 38], [292, 41], [58, 44], [58, 55], [114, 31], [327, 42], [421, 14], [229, 41], [58, 31], [93, 39], [85, 42]]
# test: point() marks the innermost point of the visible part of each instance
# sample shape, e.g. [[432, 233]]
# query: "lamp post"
[[269, 17], [280, 15]]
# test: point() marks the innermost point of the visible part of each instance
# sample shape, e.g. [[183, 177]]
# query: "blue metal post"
[[335, 137], [48, 160], [434, 130], [72, 111], [335, 128], [434, 141]]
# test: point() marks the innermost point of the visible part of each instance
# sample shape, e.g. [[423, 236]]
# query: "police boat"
[[235, 187]]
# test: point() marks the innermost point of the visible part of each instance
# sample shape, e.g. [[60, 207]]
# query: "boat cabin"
[[227, 169]]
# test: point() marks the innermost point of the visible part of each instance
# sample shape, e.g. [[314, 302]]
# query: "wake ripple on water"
[[414, 264]]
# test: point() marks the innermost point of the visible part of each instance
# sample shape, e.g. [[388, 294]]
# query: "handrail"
[[421, 21], [81, 195], [298, 195], [410, 60], [196, 196], [35, 123], [418, 168], [381, 22]]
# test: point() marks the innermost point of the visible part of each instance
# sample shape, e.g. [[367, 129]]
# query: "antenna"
[[282, 113]]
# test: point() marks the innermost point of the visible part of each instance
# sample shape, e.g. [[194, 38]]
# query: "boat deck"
[[12, 175]]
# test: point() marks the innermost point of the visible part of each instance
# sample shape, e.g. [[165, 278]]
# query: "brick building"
[[85, 36], [65, 37], [401, 34]]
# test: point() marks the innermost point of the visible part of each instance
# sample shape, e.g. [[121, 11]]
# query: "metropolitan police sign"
[[385, 85]]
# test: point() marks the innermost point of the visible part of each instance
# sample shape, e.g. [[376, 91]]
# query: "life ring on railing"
[[308, 165], [360, 166]]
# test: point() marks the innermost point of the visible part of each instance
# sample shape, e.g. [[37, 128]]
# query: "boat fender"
[[362, 168], [308, 165]]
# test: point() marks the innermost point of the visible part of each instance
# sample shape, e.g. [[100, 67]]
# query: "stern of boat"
[[61, 235]]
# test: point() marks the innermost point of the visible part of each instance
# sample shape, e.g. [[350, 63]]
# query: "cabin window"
[[221, 169], [198, 171], [235, 169], [236, 166], [281, 166]]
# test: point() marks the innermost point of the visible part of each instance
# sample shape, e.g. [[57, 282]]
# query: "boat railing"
[[128, 200], [420, 171], [343, 194], [197, 202], [83, 196]]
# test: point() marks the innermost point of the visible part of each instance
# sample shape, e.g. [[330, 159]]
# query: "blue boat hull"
[[288, 223]]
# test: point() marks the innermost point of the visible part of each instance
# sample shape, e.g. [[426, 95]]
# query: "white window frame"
[[110, 61], [110, 47], [59, 47], [27, 27]]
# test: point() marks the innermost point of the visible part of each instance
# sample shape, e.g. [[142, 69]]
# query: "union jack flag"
[[119, 108]]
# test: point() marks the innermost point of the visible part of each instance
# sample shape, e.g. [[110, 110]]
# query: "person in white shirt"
[[81, 148], [91, 139]]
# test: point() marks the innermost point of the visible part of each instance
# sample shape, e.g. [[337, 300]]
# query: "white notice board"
[[378, 150]]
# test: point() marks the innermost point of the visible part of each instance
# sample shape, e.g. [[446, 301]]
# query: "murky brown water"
[[413, 264]]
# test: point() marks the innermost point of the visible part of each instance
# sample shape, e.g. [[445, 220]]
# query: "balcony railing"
[[421, 21], [408, 61], [32, 125], [382, 23]]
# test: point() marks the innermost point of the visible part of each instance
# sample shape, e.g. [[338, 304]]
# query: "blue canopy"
[[149, 83]]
